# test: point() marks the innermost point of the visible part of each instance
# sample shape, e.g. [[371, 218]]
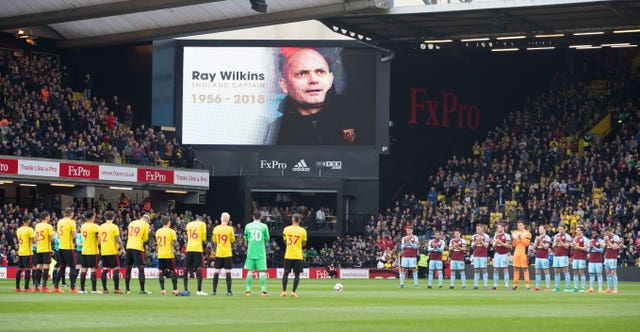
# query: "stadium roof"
[[100, 22], [411, 25]]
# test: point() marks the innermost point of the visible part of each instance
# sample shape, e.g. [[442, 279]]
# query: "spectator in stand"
[[67, 126]]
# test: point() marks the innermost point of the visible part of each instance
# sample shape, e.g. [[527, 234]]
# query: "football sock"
[[430, 277], [440, 277], [583, 278], [296, 281], [73, 277], [567, 280], [285, 279], [576, 279], [161, 280], [141, 277], [485, 278], [36, 277], [547, 279], [538, 279], [174, 280], [59, 276], [199, 279], [186, 279], [401, 278], [615, 280], [557, 279], [103, 278], [263, 281], [127, 278], [18, 276], [228, 279], [496, 277], [415, 278], [83, 279], [608, 281], [215, 281], [45, 277], [453, 278], [476, 278], [463, 277], [526, 277], [249, 280], [516, 276], [94, 281], [116, 279], [599, 275], [506, 279], [592, 277], [27, 278]]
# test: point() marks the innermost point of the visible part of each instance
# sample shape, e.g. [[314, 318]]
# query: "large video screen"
[[278, 95]]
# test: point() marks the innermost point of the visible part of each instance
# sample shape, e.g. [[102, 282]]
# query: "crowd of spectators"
[[276, 217], [42, 117], [530, 168], [540, 165]]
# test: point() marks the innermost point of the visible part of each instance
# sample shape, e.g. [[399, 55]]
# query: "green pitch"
[[364, 305]]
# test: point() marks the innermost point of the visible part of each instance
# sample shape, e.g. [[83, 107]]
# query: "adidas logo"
[[301, 166]]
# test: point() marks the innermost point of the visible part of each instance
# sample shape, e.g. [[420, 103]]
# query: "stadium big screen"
[[282, 115], [249, 94]]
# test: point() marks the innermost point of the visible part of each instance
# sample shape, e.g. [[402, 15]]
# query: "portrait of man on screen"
[[312, 112]]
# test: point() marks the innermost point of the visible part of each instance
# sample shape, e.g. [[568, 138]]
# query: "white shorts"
[[578, 264], [457, 265], [409, 262], [500, 260], [435, 265], [595, 268], [542, 263], [610, 264], [560, 261], [480, 262]]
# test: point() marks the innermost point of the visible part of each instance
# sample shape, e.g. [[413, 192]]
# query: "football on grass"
[[337, 287]]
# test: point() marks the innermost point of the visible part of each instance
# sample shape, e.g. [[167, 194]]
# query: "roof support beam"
[[353, 6], [95, 11]]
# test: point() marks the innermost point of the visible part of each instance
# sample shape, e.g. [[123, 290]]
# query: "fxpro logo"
[[301, 166], [331, 164], [272, 164]]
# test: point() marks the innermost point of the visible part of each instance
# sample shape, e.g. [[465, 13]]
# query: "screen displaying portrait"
[[278, 95]]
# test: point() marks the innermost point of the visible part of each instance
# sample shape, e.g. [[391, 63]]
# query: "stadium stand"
[[531, 167], [543, 164], [41, 116]]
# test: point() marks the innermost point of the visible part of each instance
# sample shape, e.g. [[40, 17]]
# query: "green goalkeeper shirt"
[[256, 234]]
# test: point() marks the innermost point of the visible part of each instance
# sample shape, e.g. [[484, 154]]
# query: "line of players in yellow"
[[104, 242]]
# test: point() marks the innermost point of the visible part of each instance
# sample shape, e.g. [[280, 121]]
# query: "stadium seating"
[[41, 116]]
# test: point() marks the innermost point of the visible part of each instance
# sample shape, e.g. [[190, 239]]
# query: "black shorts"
[[89, 261], [110, 261], [166, 264], [25, 262], [295, 264], [223, 263], [135, 257], [194, 259], [67, 257], [43, 258]]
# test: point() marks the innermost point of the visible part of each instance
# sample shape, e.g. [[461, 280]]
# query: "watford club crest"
[[349, 134]]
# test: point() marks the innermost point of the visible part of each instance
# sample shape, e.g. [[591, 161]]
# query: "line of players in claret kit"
[[585, 256]]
